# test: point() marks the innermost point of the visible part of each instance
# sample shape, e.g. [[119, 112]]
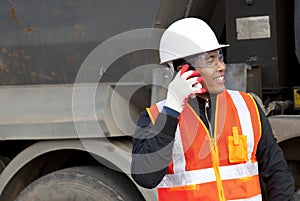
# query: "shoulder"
[[251, 100], [246, 96], [160, 104], [145, 118]]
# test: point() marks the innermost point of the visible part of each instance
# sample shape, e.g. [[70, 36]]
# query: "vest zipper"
[[215, 156], [208, 121]]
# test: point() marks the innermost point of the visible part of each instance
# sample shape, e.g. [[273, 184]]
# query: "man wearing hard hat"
[[204, 142]]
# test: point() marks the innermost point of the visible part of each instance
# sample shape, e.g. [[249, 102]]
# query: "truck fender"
[[120, 158]]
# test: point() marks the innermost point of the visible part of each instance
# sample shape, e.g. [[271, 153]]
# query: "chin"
[[218, 91]]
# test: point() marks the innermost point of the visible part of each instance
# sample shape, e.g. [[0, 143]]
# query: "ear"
[[179, 68]]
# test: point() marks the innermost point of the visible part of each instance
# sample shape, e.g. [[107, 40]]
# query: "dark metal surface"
[[274, 55], [45, 42], [170, 11], [213, 12], [236, 76], [297, 28]]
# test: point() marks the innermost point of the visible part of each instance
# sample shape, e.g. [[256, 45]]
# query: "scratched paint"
[[13, 14]]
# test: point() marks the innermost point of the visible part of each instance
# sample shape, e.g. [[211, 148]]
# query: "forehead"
[[213, 52], [207, 54]]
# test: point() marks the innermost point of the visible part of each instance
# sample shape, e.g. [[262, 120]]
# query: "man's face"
[[212, 68]]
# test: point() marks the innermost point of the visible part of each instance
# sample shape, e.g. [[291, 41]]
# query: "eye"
[[221, 58], [211, 58]]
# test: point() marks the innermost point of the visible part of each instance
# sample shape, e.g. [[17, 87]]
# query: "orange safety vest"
[[199, 170]]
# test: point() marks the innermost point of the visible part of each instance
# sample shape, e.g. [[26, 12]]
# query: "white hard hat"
[[187, 37]]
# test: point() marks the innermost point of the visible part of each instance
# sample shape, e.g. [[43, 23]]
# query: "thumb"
[[184, 69]]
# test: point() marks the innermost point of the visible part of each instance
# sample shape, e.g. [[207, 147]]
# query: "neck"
[[205, 96]]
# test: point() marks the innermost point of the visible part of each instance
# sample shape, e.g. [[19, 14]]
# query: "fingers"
[[197, 86], [184, 69], [192, 81], [194, 74], [200, 79], [198, 89], [190, 74], [202, 91]]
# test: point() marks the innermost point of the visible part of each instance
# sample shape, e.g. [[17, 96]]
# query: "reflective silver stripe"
[[207, 175], [178, 154], [245, 119], [160, 105], [188, 178], [239, 170], [178, 151], [254, 198]]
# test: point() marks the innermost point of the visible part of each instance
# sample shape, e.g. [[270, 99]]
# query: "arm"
[[152, 149], [273, 168], [152, 144]]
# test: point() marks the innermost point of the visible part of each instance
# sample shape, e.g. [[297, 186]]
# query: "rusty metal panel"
[[45, 42], [253, 27]]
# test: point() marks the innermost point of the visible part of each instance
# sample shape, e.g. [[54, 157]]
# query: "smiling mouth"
[[220, 79]]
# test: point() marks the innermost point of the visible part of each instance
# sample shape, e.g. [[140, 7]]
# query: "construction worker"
[[204, 142]]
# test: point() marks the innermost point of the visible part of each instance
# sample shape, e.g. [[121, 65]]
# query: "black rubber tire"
[[297, 195], [88, 183]]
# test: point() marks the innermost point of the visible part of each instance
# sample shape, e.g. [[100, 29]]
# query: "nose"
[[221, 66]]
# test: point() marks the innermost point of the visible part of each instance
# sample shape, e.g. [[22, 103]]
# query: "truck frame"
[[69, 106]]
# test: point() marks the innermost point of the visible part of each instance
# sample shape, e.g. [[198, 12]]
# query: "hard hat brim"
[[175, 57]]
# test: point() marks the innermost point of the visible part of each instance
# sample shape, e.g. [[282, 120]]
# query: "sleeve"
[[273, 168], [152, 149]]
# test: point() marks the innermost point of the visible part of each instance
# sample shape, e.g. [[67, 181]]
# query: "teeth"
[[218, 79]]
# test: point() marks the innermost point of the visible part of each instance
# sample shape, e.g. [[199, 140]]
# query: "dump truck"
[[75, 75]]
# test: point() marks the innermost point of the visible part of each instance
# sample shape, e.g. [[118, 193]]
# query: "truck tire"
[[88, 183]]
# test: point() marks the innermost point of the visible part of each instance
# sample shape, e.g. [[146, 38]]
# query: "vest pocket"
[[237, 149]]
